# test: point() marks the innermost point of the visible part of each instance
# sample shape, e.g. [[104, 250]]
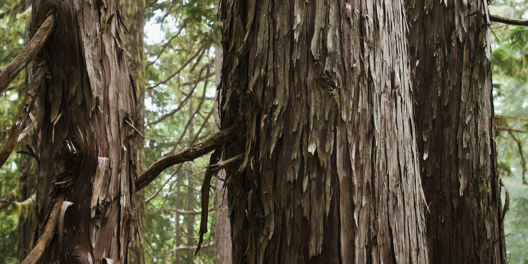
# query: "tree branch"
[[188, 212], [27, 54], [499, 128], [195, 151], [23, 114], [179, 70], [36, 252], [508, 21]]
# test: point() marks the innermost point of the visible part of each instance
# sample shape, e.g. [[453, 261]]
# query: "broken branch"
[[195, 151], [508, 21], [44, 239], [27, 54], [22, 116]]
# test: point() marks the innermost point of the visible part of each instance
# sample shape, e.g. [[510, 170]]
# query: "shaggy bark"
[[449, 50], [87, 149], [134, 21], [320, 94]]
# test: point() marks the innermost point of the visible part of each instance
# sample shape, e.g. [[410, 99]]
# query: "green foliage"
[[510, 77]]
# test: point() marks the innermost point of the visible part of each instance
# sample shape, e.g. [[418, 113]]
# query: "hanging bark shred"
[[29, 52], [449, 45], [320, 93]]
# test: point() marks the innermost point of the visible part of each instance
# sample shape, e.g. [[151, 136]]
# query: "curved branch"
[[508, 21], [36, 252], [27, 54], [22, 116], [195, 151]]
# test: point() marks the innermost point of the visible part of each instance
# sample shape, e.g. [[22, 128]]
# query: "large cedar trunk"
[[320, 92], [449, 50], [87, 146]]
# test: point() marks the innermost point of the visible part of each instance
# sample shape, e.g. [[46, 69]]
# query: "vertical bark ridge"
[[321, 94], [87, 150], [449, 50]]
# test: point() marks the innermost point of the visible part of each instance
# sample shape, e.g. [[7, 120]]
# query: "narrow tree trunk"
[[320, 93], [189, 219], [450, 49], [222, 227], [88, 149]]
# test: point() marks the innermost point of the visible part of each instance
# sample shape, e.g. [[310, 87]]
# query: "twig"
[[177, 71], [508, 21], [213, 142], [166, 44], [499, 128], [49, 229], [27, 54], [22, 116], [523, 161]]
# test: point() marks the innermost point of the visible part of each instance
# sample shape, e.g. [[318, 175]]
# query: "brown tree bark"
[[449, 51], [320, 92], [134, 21], [87, 150]]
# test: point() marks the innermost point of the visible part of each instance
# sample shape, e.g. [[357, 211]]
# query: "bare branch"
[[36, 252], [499, 128], [508, 21], [22, 116], [179, 70], [27, 54], [188, 212], [521, 153], [166, 44], [195, 151]]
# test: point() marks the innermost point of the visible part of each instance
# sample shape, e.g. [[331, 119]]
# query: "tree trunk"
[[88, 148], [449, 50], [222, 228], [134, 21], [320, 93]]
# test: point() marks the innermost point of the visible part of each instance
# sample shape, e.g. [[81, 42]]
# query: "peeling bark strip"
[[195, 151], [320, 92], [8, 74], [87, 149], [449, 50]]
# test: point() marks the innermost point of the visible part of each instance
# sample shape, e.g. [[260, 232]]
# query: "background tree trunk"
[[87, 150], [320, 92], [450, 49], [134, 44]]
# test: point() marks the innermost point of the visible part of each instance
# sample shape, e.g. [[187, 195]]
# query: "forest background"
[[178, 77]]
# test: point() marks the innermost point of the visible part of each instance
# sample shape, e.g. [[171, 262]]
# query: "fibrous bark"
[[449, 49], [87, 149], [320, 93]]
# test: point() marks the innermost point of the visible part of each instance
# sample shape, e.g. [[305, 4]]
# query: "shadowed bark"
[[320, 94], [450, 59]]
